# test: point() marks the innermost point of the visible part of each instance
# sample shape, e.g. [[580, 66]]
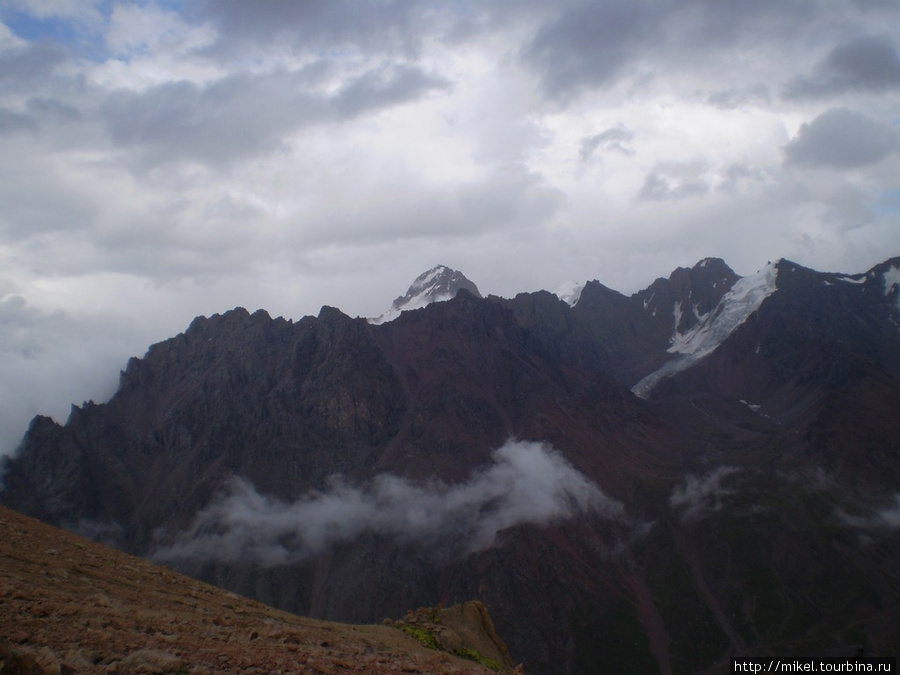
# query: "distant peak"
[[424, 279], [438, 284], [712, 264]]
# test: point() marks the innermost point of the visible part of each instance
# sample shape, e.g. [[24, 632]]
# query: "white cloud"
[[51, 360], [527, 483], [887, 518], [702, 495]]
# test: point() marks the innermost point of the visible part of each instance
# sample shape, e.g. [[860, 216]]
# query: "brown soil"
[[70, 605]]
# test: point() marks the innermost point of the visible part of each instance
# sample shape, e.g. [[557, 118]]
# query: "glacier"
[[570, 292], [733, 309]]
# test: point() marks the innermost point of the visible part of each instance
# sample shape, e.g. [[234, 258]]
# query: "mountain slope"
[[71, 605]]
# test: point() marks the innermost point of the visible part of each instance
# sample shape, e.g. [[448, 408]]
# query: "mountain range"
[[650, 483]]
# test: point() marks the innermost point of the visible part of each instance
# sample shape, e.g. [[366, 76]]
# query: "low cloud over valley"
[[526, 483]]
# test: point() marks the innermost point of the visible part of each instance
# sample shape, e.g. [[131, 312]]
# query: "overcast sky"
[[162, 160]]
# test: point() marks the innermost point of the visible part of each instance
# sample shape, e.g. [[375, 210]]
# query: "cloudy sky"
[[162, 160]]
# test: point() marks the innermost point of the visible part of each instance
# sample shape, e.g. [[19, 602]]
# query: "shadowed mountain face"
[[747, 503]]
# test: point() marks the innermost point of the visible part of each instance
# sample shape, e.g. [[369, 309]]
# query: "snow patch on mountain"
[[436, 285], [891, 279], [892, 285], [736, 306], [570, 292]]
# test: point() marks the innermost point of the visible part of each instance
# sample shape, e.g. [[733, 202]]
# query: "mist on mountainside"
[[525, 483]]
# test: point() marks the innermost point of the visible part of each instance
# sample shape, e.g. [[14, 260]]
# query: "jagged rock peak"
[[438, 284], [681, 301], [706, 272]]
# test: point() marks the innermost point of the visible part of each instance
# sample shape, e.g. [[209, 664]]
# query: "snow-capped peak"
[[436, 285], [736, 306]]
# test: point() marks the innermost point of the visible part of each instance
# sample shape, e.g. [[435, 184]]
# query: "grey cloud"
[[384, 87], [735, 97], [614, 139], [674, 180], [511, 198], [527, 483], [342, 29], [702, 495], [508, 199], [867, 63], [230, 119], [243, 116], [587, 45], [52, 109], [393, 25], [735, 176], [846, 208], [22, 67], [841, 139], [12, 122], [592, 44], [36, 199], [887, 6]]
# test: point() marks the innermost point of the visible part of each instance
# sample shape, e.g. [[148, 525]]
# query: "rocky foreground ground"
[[70, 605]]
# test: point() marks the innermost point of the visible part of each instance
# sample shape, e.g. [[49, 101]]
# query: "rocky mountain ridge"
[[493, 448]]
